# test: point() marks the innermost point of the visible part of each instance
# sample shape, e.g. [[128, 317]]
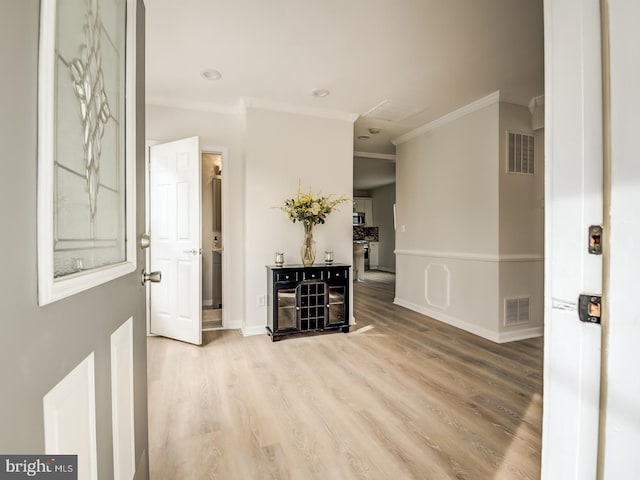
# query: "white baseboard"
[[254, 330], [448, 319], [497, 337], [522, 334], [207, 302]]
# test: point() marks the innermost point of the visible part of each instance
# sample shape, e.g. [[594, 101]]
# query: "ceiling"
[[424, 58]]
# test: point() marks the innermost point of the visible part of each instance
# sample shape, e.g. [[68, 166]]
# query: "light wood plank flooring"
[[400, 397]]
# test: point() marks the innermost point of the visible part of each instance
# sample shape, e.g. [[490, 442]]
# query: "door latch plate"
[[595, 240], [589, 308]]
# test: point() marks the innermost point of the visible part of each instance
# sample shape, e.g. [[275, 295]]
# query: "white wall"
[[521, 196], [383, 200], [281, 149], [448, 222], [215, 130], [469, 234], [447, 187], [521, 221]]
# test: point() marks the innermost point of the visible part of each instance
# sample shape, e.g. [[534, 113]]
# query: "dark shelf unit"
[[304, 300]]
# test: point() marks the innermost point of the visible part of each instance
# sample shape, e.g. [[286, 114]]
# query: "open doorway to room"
[[212, 246], [185, 202], [374, 195]]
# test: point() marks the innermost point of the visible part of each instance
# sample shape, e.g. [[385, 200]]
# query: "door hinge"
[[595, 239], [589, 308]]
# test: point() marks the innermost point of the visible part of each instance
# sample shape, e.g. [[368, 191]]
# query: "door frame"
[[224, 153], [573, 201]]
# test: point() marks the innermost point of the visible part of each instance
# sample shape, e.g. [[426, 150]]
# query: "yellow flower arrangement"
[[311, 209]]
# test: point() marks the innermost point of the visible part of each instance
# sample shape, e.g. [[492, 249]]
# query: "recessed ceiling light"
[[321, 93], [374, 130], [363, 137], [211, 74]]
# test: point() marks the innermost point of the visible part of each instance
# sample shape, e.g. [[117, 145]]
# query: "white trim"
[[448, 319], [477, 257], [193, 105], [122, 404], [379, 156], [522, 334], [497, 337], [254, 330], [536, 103], [444, 268], [449, 117], [147, 228], [261, 104], [63, 422], [525, 257], [207, 302], [49, 289]]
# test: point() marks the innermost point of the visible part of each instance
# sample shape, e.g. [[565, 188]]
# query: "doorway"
[[212, 245], [171, 301]]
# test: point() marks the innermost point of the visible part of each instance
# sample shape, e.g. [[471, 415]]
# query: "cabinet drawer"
[[338, 274], [315, 274], [287, 276]]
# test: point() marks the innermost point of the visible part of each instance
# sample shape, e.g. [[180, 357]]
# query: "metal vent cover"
[[520, 153], [391, 111], [516, 310]]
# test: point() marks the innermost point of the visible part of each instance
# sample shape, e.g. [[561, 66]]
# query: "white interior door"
[[174, 208], [574, 201]]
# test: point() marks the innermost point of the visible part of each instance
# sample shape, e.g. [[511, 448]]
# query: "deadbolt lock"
[[145, 241]]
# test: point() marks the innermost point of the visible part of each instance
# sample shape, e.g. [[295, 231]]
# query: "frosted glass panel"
[[89, 168]]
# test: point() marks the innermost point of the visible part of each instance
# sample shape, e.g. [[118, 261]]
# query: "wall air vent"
[[520, 153], [516, 311]]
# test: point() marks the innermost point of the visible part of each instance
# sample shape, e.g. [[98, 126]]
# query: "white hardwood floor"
[[400, 397]]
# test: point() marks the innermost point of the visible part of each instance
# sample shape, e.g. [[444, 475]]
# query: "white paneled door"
[[174, 208]]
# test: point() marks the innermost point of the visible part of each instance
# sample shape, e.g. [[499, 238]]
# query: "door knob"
[[192, 251], [153, 277]]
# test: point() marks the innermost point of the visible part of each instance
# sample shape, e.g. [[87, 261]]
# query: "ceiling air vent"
[[516, 310], [391, 112], [520, 153]]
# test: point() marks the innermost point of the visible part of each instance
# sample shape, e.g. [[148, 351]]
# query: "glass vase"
[[308, 250]]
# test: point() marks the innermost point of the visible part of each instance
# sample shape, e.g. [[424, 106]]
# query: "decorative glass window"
[[86, 204]]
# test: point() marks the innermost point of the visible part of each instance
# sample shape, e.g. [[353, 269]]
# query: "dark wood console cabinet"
[[307, 299]]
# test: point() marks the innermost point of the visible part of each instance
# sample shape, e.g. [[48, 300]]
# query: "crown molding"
[[449, 117], [262, 104], [380, 156], [193, 105], [536, 102]]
